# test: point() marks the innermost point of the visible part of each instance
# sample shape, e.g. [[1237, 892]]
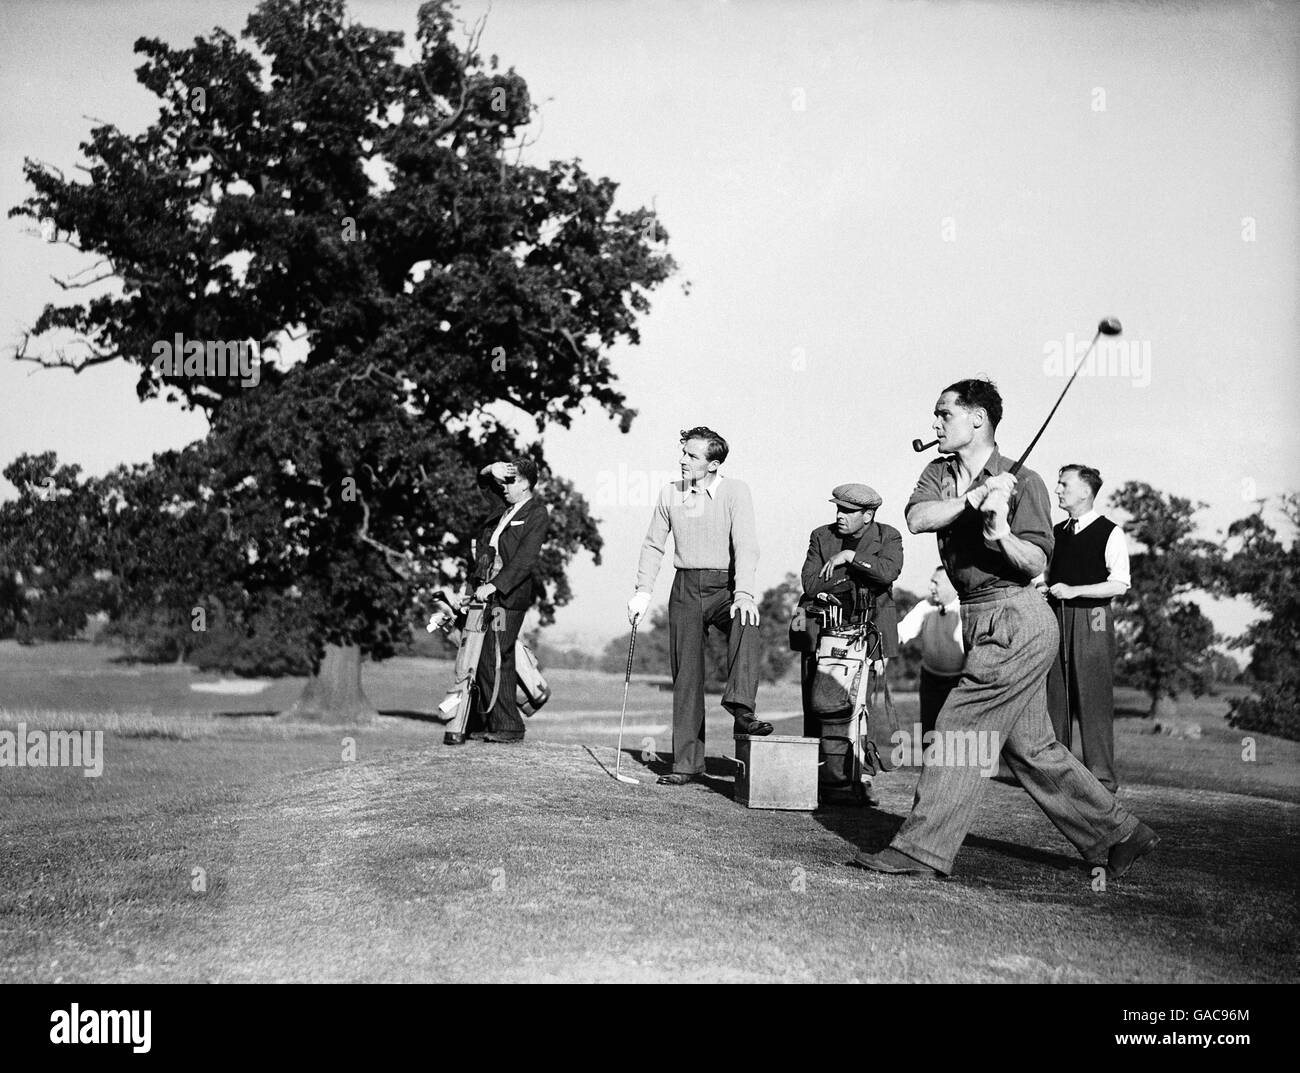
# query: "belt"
[[992, 596]]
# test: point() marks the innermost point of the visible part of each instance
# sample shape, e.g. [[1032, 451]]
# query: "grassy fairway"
[[420, 862]]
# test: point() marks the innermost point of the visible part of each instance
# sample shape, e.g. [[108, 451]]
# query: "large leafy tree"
[[1266, 570], [1165, 640], [425, 293]]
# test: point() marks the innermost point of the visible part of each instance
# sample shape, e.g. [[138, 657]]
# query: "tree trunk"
[[1164, 709], [334, 695]]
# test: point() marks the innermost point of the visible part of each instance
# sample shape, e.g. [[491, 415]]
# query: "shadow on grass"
[[419, 717], [719, 772], [871, 830]]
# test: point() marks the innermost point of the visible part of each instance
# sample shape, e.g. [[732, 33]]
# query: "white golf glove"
[[636, 607]]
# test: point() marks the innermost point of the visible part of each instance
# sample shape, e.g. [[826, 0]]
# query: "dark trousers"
[[934, 691], [812, 725], [504, 717], [1082, 685], [700, 599]]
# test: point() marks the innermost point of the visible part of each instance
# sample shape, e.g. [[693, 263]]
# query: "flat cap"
[[858, 496]]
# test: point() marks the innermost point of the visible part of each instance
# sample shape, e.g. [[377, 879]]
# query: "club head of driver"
[[1109, 326]]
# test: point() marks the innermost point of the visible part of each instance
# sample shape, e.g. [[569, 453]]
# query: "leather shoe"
[[893, 862], [453, 739], [1123, 855], [677, 778], [752, 726]]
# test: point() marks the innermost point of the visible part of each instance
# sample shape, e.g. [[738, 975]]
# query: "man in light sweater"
[[937, 621], [715, 552]]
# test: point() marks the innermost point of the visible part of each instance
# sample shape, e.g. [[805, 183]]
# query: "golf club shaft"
[[627, 681], [1021, 460]]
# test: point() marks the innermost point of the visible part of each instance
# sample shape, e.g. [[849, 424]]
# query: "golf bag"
[[841, 693], [533, 689], [839, 697], [468, 629], [461, 694]]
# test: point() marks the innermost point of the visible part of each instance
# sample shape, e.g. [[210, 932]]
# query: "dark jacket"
[[519, 547], [877, 562]]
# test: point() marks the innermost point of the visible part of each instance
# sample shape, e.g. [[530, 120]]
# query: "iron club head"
[[1109, 326], [627, 779]]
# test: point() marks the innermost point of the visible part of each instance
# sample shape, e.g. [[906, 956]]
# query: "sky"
[[867, 202]]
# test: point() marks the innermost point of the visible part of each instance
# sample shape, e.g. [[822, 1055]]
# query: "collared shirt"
[[943, 651], [1117, 567], [712, 527], [972, 565], [501, 525]]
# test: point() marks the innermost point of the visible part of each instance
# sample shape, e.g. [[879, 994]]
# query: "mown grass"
[[420, 862]]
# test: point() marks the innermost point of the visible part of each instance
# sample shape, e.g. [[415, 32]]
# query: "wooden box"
[[777, 771]]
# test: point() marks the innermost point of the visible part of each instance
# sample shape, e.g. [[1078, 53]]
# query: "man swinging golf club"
[[995, 536], [715, 552]]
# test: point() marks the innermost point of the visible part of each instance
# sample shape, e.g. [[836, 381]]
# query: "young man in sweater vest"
[[715, 551], [1089, 568]]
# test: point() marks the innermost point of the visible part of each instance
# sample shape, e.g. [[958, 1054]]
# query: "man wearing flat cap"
[[866, 552]]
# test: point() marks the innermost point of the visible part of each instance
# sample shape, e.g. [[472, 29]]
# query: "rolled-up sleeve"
[[1030, 516], [929, 486]]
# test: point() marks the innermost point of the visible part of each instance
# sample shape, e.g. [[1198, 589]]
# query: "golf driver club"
[[918, 446], [1109, 326], [627, 680]]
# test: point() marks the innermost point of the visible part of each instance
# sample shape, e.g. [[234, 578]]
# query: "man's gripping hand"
[[1001, 482], [747, 609], [637, 606], [995, 508]]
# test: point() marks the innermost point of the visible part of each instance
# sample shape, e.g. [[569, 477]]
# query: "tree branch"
[[365, 536], [365, 376], [101, 356]]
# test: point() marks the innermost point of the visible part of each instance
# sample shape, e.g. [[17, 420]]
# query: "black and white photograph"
[[674, 491]]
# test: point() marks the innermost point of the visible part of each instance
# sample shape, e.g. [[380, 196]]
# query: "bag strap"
[[496, 676]]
